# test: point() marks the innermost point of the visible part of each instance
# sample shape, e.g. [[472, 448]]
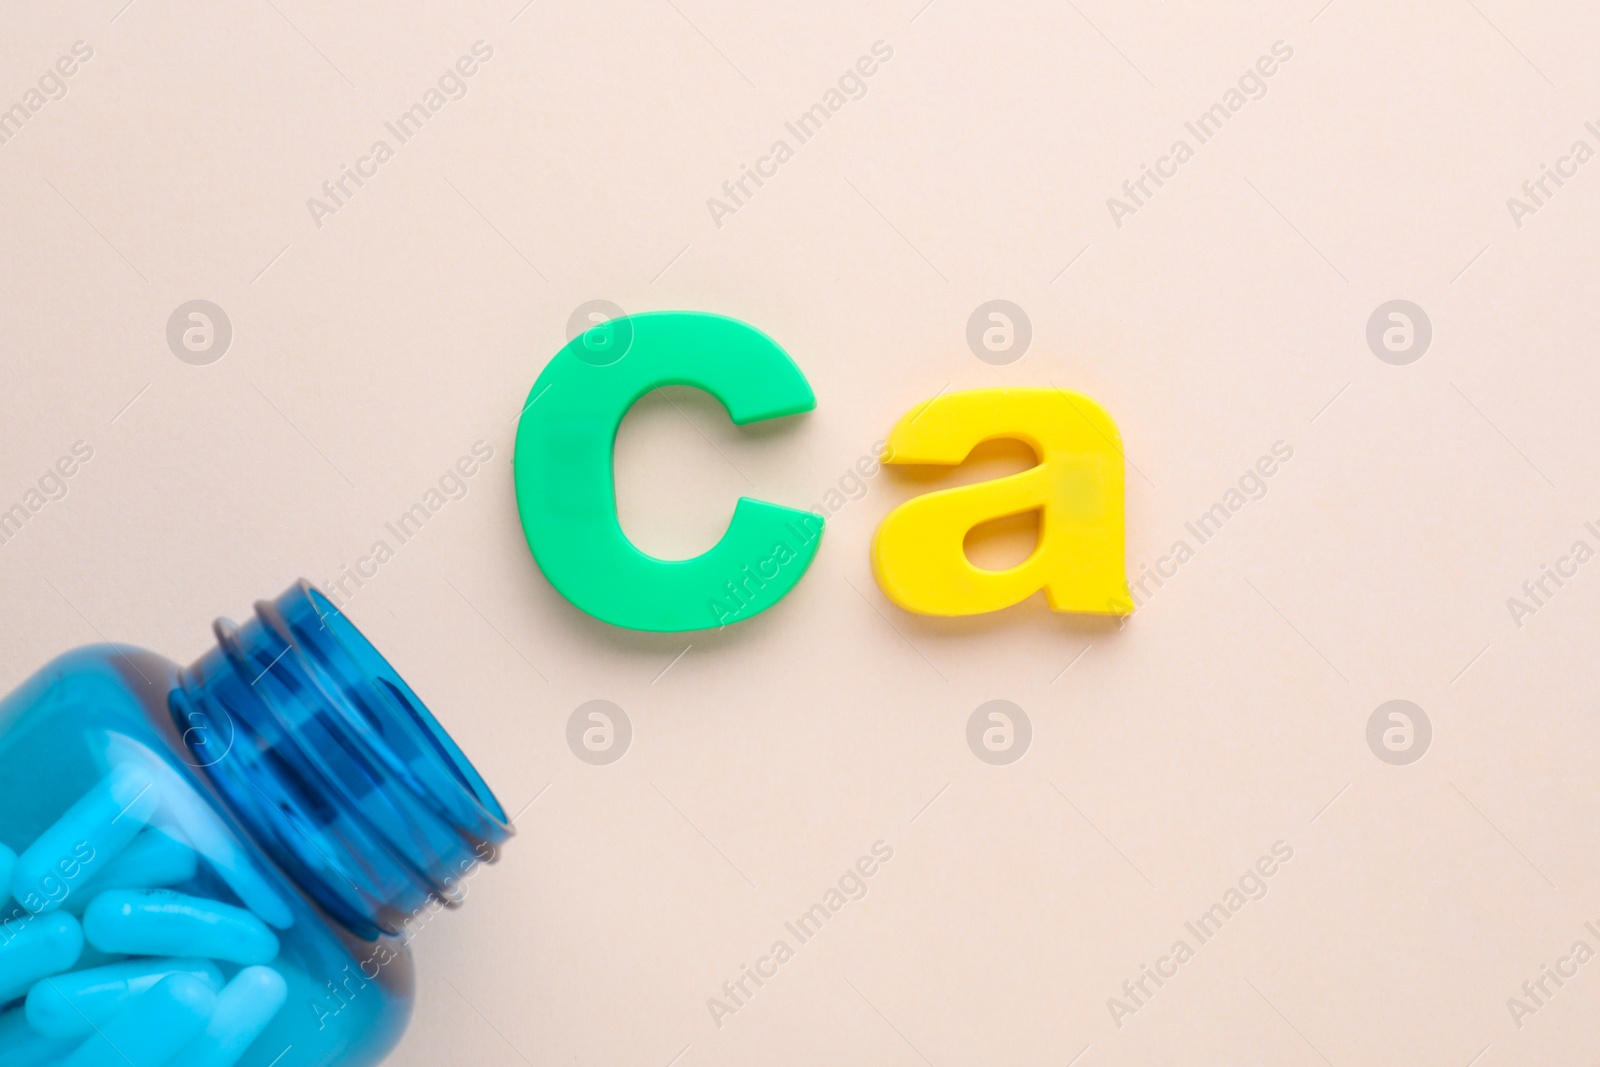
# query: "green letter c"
[[566, 491]]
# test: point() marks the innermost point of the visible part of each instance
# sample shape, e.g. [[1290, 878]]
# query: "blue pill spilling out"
[[151, 1030], [76, 1003], [243, 1010], [85, 839], [36, 946], [153, 859], [161, 922]]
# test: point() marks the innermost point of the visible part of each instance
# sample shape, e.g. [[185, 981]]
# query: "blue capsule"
[[160, 922], [84, 840], [243, 1010], [36, 946], [21, 1046], [73, 1004], [151, 1030]]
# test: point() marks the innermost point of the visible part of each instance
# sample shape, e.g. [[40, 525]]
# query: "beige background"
[[1228, 314]]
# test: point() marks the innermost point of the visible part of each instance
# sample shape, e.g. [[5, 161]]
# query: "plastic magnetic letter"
[[918, 553], [566, 493]]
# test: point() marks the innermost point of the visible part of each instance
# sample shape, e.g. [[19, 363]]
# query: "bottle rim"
[[344, 775]]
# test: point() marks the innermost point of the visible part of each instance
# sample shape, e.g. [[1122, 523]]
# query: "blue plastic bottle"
[[223, 864]]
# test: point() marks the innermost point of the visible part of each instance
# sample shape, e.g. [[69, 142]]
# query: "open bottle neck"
[[333, 764]]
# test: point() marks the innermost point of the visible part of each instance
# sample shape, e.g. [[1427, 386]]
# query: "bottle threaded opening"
[[335, 765]]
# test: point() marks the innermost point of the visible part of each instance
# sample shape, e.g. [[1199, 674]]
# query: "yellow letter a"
[[918, 554]]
